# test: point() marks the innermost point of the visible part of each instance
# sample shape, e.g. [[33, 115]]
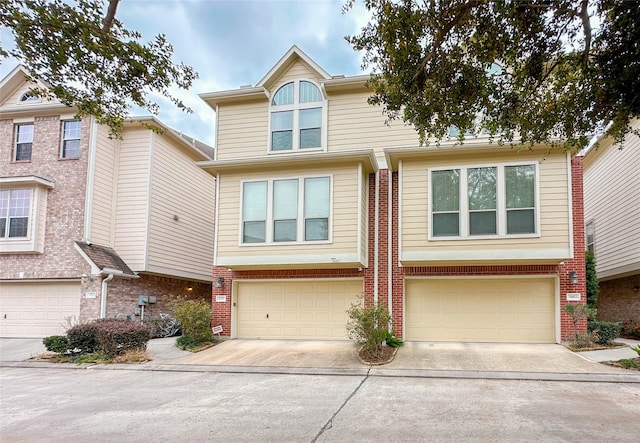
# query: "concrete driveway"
[[441, 356]]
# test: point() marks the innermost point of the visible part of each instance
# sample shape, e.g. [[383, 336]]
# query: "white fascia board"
[[277, 260]]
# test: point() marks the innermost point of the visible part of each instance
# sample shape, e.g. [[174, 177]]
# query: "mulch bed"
[[369, 358]]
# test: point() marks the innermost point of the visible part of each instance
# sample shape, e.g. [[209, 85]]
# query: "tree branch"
[[107, 21], [586, 25], [443, 32]]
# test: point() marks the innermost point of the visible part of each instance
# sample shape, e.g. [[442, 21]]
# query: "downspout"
[[91, 171], [103, 298], [390, 246]]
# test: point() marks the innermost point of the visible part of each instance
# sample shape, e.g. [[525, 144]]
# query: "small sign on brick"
[[573, 296], [221, 298], [90, 294]]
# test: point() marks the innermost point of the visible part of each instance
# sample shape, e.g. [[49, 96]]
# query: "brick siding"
[[619, 299]]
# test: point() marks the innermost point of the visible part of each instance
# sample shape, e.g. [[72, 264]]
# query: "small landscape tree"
[[369, 325]]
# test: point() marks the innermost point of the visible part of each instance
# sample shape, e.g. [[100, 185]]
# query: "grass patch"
[[187, 343], [132, 356]]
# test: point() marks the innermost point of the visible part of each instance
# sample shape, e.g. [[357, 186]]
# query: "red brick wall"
[[65, 203], [619, 299]]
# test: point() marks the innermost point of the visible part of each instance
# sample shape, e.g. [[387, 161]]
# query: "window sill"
[[288, 243], [484, 237], [296, 151]]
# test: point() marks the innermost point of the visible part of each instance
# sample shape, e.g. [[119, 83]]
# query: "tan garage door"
[[520, 310], [295, 309], [37, 309]]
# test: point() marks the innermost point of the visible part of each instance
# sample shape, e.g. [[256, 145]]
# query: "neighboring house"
[[320, 203], [89, 223], [612, 224]]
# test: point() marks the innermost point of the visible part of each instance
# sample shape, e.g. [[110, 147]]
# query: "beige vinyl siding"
[[554, 210], [297, 71], [14, 99], [104, 188], [179, 188], [132, 197], [364, 220], [355, 124], [345, 195], [612, 202], [243, 130]]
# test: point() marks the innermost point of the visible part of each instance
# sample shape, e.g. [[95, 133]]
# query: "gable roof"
[[105, 259], [290, 57]]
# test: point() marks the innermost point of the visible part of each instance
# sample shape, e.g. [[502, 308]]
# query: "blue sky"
[[235, 42]]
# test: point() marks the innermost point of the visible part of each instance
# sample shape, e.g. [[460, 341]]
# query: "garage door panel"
[[494, 310], [37, 309], [297, 309]]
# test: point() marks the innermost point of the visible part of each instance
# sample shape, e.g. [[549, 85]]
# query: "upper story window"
[[15, 207], [29, 97], [297, 115], [286, 210], [23, 142], [483, 201], [590, 236], [70, 139]]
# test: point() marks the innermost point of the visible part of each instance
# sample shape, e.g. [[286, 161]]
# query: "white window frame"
[[65, 139], [501, 206], [593, 236], [296, 107], [4, 235], [16, 127], [300, 216]]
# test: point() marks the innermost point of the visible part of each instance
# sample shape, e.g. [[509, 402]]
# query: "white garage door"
[[295, 309], [520, 310], [37, 309]]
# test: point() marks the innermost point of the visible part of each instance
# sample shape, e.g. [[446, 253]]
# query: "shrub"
[[195, 319], [637, 349], [577, 314], [56, 343], [593, 288], [84, 338], [606, 331], [392, 340], [117, 336], [369, 326], [631, 329], [628, 363]]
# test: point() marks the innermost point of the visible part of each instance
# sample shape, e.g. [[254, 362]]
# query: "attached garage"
[[294, 309], [519, 310], [34, 310]]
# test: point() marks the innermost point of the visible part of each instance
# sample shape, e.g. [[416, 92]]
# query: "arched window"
[[29, 97], [297, 115]]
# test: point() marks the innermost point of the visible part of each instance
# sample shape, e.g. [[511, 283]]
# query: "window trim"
[[34, 242], [296, 107], [14, 155], [593, 236], [501, 222], [300, 220], [63, 139]]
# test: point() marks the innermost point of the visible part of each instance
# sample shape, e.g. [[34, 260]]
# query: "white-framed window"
[[297, 117], [483, 201], [286, 210], [23, 142], [15, 210], [29, 97], [590, 233], [71, 130]]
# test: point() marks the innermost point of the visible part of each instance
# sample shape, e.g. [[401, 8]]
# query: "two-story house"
[[319, 202], [612, 217], [89, 223]]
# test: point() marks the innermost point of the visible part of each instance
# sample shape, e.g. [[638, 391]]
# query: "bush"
[[593, 287], [84, 338], [631, 329], [628, 363], [605, 330], [392, 340], [195, 319], [108, 336], [118, 336], [369, 326], [56, 343]]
